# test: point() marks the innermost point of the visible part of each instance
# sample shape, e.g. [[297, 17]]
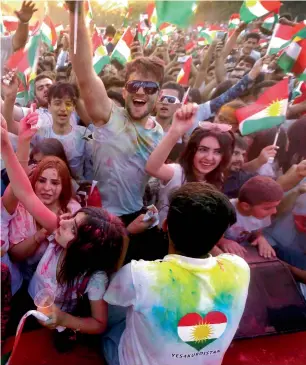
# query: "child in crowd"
[[184, 309], [256, 204]]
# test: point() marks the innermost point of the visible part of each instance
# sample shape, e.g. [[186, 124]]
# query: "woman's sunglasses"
[[215, 126], [149, 87], [168, 99]]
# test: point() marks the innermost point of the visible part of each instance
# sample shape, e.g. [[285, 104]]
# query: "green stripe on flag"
[[249, 126], [245, 14], [98, 66], [119, 57], [286, 62]]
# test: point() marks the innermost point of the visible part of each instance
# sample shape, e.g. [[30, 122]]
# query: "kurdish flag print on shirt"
[[182, 311], [268, 111], [198, 331], [254, 9]]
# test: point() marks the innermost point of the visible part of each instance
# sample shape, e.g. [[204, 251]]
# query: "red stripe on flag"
[[190, 319], [271, 5]]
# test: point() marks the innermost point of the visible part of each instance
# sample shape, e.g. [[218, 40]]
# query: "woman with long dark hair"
[[86, 248], [205, 157]]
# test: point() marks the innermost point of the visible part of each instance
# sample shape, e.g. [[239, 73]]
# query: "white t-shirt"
[[45, 277], [181, 311], [78, 150], [16, 277], [121, 149], [165, 190], [245, 226], [6, 50]]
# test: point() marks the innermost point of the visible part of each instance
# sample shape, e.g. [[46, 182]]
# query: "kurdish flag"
[[152, 15], [299, 93], [183, 76], [122, 52], [254, 9], [100, 58], [293, 59], [179, 13], [48, 31], [270, 21], [280, 39], [209, 34], [233, 23], [198, 332], [88, 13], [268, 111]]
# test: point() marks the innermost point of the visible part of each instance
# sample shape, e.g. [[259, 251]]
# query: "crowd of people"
[[139, 195]]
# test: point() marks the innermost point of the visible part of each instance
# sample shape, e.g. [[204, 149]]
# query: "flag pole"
[[185, 98], [271, 159], [76, 19]]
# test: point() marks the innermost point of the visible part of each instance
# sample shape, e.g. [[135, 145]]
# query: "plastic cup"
[[44, 301]]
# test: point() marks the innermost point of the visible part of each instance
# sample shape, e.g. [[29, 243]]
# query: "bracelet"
[[24, 22]]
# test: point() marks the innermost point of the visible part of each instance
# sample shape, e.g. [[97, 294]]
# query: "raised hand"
[[10, 84], [266, 153], [27, 127], [184, 118], [26, 12]]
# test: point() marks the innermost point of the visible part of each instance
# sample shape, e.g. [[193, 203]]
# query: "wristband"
[[24, 22]]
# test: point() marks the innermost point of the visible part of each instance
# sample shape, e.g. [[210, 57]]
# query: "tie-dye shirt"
[[121, 149], [181, 310]]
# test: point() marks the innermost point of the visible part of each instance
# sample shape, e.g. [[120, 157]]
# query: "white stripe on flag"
[[258, 9], [123, 49], [277, 43], [294, 50], [186, 332]]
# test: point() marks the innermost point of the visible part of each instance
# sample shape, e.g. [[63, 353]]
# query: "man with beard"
[[123, 137], [237, 176]]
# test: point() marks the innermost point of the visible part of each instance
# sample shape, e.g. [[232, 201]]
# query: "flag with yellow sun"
[[198, 331], [268, 111]]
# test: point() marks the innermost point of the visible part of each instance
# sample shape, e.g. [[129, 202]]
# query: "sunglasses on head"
[[149, 87], [215, 126], [168, 99]]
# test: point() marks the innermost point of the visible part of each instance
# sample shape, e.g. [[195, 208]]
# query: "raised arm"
[[182, 121], [21, 185], [93, 92], [24, 15], [10, 92]]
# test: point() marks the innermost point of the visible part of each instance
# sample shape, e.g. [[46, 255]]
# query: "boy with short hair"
[[257, 202], [62, 99], [184, 309]]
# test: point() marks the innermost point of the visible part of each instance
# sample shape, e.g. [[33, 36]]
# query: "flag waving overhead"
[[254, 9], [175, 12], [122, 52], [233, 23], [268, 111], [293, 59], [100, 58], [48, 30], [183, 76], [270, 21], [280, 38]]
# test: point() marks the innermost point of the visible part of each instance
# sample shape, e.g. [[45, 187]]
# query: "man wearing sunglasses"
[[123, 138], [169, 101]]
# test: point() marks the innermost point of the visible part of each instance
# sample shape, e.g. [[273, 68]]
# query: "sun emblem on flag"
[[274, 109], [202, 332], [250, 3]]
